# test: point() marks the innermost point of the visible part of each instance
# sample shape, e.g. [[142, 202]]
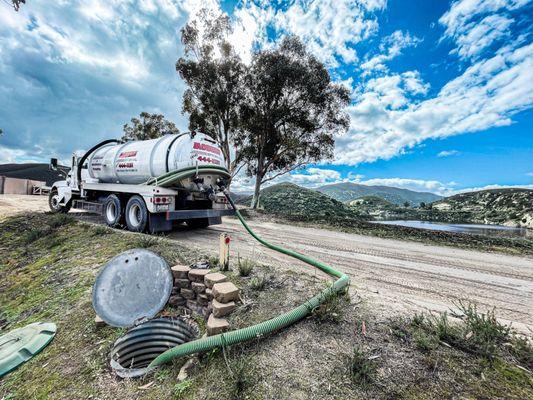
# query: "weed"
[[245, 266], [242, 377], [59, 220], [162, 374], [101, 230], [362, 370], [181, 388], [425, 342], [484, 332], [35, 234], [332, 309], [259, 282], [521, 349], [146, 241]]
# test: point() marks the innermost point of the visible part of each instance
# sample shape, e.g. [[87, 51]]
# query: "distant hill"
[[298, 203], [37, 172], [513, 207], [348, 191]]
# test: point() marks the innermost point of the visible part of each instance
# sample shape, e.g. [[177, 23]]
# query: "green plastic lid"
[[19, 345]]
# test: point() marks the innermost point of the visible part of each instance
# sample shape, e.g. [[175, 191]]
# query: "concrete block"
[[198, 287], [222, 309], [225, 292], [216, 325], [197, 275], [188, 294], [213, 278], [182, 283], [99, 322], [180, 271], [202, 299], [177, 301]]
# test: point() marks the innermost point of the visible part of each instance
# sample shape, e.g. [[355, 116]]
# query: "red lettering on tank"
[[127, 154], [206, 147]]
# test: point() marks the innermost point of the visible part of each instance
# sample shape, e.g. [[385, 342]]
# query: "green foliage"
[[362, 370], [101, 230], [181, 388], [333, 309], [245, 266], [242, 372], [291, 112], [259, 282], [215, 92], [35, 234], [148, 126], [59, 220], [146, 241], [522, 350]]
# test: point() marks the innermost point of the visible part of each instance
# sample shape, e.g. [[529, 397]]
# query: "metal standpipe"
[[266, 327]]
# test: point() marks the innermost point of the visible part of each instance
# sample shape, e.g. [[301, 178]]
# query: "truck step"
[[90, 206]]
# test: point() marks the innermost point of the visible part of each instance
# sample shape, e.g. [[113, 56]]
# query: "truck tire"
[[136, 214], [53, 203], [197, 223], [113, 212]]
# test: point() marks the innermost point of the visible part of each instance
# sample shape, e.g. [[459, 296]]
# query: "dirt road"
[[393, 275]]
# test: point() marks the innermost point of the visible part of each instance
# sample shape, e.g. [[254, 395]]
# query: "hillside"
[[298, 203], [512, 207], [37, 172], [348, 191]]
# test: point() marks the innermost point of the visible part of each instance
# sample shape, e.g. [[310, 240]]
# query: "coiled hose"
[[266, 327]]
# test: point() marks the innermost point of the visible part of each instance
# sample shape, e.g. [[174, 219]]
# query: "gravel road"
[[393, 275]]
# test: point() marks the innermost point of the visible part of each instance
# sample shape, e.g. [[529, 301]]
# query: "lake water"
[[475, 229]]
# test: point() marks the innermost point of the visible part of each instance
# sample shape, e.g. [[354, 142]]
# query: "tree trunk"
[[257, 189]]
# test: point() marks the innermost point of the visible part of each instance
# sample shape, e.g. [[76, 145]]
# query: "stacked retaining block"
[[205, 293]]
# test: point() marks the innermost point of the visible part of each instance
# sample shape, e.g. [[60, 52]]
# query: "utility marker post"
[[224, 252]]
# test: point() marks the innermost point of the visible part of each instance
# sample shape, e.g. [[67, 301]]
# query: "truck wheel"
[[198, 223], [53, 203], [113, 213], [136, 214]]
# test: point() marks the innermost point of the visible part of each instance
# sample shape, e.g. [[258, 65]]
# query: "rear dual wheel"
[[134, 215]]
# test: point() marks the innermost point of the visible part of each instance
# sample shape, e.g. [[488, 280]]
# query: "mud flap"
[[158, 223]]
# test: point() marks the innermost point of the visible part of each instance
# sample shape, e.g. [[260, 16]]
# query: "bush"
[[146, 241], [332, 310], [245, 267], [59, 220], [258, 283], [34, 234], [362, 370]]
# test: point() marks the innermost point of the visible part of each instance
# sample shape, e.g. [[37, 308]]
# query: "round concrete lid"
[[21, 344], [132, 287]]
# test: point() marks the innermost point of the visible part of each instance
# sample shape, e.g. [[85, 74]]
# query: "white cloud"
[[475, 24], [418, 185], [330, 28], [390, 47], [72, 73], [529, 173], [448, 153], [386, 120]]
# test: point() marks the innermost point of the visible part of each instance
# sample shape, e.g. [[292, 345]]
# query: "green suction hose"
[[266, 327]]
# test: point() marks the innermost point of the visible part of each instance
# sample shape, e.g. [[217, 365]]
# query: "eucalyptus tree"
[[214, 75], [148, 126], [291, 113]]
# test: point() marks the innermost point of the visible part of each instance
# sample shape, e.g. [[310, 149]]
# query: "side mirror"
[[53, 164]]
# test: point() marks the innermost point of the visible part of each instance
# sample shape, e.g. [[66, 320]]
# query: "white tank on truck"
[[148, 185], [138, 161]]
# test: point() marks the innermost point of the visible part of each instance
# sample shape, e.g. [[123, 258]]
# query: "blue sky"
[[441, 91]]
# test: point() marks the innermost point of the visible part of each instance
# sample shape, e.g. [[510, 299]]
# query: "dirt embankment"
[[393, 275]]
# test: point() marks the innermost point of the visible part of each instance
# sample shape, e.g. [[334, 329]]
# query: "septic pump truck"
[[147, 185]]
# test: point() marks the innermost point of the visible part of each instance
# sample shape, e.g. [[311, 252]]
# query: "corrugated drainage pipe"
[[266, 327]]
